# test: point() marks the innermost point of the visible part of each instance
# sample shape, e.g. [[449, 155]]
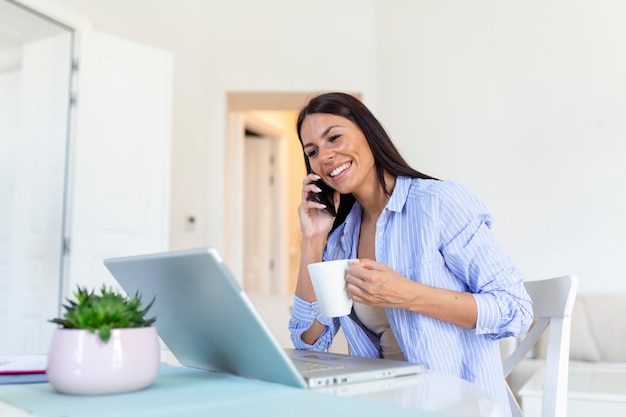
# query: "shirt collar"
[[396, 203], [353, 220], [400, 194]]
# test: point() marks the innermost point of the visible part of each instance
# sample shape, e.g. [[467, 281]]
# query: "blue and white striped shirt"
[[436, 233]]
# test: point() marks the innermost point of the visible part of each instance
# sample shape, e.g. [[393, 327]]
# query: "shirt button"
[[380, 234], [313, 313]]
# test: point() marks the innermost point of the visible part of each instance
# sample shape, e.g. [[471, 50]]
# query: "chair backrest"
[[553, 302]]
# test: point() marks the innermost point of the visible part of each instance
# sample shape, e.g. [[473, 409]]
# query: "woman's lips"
[[337, 171]]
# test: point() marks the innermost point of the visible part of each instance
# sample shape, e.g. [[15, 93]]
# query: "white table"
[[430, 392], [594, 390]]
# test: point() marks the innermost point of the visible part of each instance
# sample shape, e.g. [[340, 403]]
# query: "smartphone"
[[325, 197]]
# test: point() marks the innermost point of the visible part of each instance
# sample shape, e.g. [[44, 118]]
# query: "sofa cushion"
[[583, 343], [604, 337]]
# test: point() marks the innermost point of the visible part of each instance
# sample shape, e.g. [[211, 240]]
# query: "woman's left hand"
[[375, 284]]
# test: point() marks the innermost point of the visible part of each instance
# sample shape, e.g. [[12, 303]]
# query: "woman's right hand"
[[314, 219]]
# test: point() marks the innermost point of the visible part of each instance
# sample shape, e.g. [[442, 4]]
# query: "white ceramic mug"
[[329, 283]]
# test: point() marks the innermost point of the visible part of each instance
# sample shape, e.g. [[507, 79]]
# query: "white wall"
[[521, 101], [525, 102]]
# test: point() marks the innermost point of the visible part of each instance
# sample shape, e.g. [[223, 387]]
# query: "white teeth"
[[339, 170]]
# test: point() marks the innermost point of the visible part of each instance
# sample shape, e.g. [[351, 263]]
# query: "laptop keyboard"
[[311, 366]]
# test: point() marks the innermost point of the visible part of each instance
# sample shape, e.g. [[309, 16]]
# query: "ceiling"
[[19, 25]]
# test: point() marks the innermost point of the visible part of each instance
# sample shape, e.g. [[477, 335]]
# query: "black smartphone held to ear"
[[325, 197]]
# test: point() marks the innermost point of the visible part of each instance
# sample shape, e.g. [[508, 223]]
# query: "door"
[[65, 208], [259, 215], [120, 202], [34, 108]]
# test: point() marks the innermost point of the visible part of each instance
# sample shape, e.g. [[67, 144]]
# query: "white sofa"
[[598, 342], [599, 329]]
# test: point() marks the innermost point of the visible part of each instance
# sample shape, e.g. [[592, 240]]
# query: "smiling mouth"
[[339, 169]]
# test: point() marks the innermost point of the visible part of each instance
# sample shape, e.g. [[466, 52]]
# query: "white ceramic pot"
[[79, 362]]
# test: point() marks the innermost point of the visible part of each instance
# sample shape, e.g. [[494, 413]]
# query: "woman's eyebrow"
[[324, 133]]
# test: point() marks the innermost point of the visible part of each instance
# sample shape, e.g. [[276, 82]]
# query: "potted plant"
[[104, 345]]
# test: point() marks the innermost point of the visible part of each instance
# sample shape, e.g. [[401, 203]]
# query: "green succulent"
[[104, 312]]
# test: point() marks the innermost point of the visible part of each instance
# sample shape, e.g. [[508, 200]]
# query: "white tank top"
[[375, 319]]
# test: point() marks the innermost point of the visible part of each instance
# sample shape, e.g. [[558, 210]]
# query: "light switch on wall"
[[191, 223]]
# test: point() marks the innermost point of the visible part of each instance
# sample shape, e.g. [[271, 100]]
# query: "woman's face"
[[338, 152]]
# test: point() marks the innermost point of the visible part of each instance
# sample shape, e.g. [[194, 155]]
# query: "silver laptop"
[[208, 322]]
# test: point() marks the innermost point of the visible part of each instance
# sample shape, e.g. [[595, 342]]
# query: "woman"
[[429, 282]]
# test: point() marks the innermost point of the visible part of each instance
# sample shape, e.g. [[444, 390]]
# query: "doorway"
[[270, 116], [257, 205]]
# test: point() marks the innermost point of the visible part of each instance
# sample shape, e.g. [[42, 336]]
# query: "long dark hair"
[[386, 155]]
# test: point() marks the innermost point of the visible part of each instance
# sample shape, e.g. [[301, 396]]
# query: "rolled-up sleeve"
[[503, 313], [302, 317], [472, 253]]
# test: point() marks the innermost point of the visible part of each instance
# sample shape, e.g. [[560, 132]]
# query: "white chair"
[[553, 301]]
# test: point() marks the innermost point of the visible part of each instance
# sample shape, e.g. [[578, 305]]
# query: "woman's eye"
[[312, 154], [334, 138]]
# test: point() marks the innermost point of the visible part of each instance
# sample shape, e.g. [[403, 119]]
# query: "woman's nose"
[[326, 155]]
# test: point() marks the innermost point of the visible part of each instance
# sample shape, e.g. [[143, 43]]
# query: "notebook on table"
[[208, 322]]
